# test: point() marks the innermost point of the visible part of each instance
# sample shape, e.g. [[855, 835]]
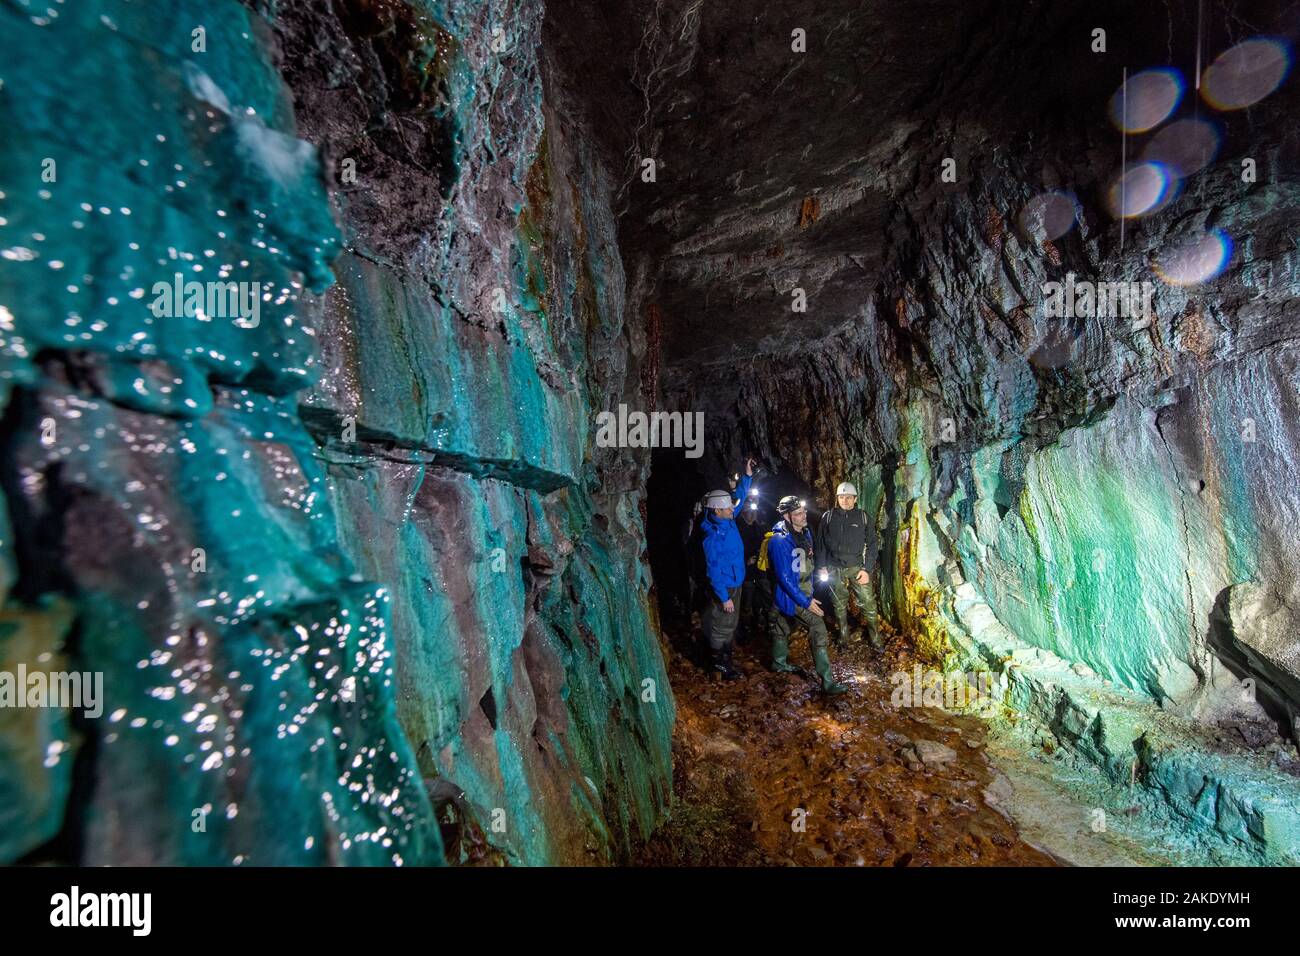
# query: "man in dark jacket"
[[790, 557], [756, 595], [846, 546], [724, 559]]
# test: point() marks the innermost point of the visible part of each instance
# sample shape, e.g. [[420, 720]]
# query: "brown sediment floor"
[[753, 757]]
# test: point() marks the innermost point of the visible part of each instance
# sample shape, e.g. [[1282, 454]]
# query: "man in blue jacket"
[[724, 558], [790, 558]]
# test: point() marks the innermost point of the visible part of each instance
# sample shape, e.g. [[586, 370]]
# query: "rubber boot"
[[871, 624], [729, 671], [847, 636], [822, 661], [780, 653], [722, 664], [840, 635]]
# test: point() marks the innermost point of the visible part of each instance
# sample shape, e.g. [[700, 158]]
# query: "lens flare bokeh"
[[1183, 147], [1143, 189], [1146, 100], [1049, 215], [1196, 262], [1246, 73]]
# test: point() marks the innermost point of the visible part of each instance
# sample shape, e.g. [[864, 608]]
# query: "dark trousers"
[[719, 626], [756, 603]]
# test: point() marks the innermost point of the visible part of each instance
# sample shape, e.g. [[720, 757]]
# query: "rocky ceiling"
[[779, 170]]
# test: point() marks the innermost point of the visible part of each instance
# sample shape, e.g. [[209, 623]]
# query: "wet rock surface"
[[769, 772], [362, 588], [362, 584]]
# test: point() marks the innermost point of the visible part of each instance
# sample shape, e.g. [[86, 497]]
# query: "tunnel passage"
[[1077, 501], [1023, 273]]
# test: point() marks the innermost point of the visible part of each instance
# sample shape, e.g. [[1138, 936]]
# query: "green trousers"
[[844, 580], [782, 625]]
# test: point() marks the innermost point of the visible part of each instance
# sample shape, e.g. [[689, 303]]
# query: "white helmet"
[[719, 499], [846, 488]]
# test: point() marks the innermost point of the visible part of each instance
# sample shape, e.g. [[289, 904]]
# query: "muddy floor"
[[768, 772]]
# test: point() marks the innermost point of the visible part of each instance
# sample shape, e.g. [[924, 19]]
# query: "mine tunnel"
[[423, 421]]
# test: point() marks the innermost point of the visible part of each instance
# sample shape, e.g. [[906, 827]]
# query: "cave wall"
[[361, 587], [1095, 514], [1118, 492]]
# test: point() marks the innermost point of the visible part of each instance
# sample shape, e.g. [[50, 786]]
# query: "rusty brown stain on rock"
[[1023, 324], [994, 227], [1193, 334], [1053, 254], [810, 210]]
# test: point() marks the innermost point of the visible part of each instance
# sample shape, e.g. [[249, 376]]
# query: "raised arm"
[[742, 490], [743, 485]]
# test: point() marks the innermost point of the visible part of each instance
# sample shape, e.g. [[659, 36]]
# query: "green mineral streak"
[[530, 279], [166, 160], [871, 491], [1235, 483], [429, 381], [608, 635], [207, 180], [305, 631], [1027, 516], [1093, 568], [36, 752], [455, 78], [1042, 574]]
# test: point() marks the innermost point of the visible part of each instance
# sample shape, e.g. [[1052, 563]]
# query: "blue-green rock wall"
[[361, 589]]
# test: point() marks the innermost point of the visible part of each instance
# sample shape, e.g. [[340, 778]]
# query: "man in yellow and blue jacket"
[[789, 557]]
